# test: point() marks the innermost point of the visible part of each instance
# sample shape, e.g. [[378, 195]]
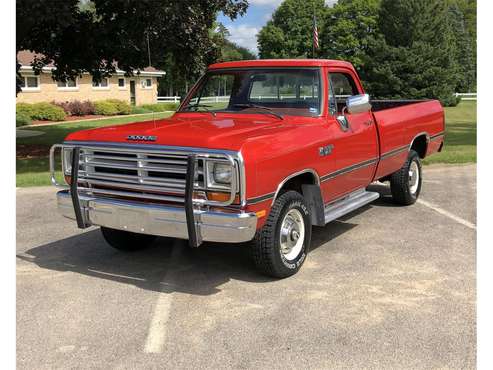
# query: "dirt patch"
[[28, 151]]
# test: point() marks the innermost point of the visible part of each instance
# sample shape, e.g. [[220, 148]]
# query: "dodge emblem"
[[141, 138]]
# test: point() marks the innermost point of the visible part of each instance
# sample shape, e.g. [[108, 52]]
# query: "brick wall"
[[49, 91]]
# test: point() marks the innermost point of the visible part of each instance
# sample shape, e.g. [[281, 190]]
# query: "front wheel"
[[281, 245], [405, 184], [125, 240]]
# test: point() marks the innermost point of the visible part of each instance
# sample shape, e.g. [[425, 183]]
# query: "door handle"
[[343, 122], [369, 122]]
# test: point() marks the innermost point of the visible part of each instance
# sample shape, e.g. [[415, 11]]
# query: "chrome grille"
[[139, 174]]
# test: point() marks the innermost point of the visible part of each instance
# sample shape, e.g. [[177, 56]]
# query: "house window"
[[103, 84], [147, 83], [121, 83], [67, 85], [30, 83]]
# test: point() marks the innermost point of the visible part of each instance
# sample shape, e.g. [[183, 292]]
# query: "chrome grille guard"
[[147, 173]]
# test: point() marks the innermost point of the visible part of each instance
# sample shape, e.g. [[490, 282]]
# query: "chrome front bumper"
[[160, 220]]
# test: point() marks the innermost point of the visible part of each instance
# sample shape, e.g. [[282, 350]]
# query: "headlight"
[[219, 175], [67, 161], [222, 173]]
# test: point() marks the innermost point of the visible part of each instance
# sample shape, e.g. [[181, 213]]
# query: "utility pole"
[[148, 48]]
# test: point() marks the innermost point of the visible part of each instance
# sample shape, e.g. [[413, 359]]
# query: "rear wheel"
[[125, 240], [405, 184], [281, 245]]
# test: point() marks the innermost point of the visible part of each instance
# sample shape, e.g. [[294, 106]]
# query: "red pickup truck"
[[258, 151]]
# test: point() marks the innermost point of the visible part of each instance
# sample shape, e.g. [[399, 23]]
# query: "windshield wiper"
[[201, 106], [271, 111]]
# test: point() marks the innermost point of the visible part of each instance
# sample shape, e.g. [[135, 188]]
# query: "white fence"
[[217, 99], [168, 99], [467, 96], [205, 99], [214, 99]]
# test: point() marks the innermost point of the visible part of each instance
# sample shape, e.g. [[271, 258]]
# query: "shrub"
[[42, 111], [112, 107], [78, 108], [47, 112], [140, 110], [105, 108], [121, 106], [64, 105], [451, 101], [160, 107], [24, 108], [88, 107], [22, 119]]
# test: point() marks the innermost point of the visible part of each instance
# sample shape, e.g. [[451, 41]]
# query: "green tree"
[[290, 32], [464, 49], [348, 28], [229, 51], [415, 55], [469, 11], [89, 37], [175, 82]]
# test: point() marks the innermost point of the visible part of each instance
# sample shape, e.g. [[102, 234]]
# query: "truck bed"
[[379, 105], [399, 123]]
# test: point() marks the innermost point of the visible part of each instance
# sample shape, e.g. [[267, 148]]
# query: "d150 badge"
[[325, 150]]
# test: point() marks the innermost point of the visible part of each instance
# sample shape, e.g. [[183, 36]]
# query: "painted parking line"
[[156, 337], [447, 214], [158, 327]]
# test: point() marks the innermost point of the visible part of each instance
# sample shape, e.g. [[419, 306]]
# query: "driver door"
[[355, 148]]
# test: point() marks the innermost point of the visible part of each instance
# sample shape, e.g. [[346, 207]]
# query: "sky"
[[244, 29]]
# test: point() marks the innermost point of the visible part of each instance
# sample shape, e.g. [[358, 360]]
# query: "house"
[[138, 89]]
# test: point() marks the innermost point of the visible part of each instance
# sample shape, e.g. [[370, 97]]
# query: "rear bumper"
[[160, 220]]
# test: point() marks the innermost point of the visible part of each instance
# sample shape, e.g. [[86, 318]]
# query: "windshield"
[[272, 91]]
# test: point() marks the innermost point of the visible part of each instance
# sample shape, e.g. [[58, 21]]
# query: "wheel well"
[[420, 145], [308, 185], [295, 183]]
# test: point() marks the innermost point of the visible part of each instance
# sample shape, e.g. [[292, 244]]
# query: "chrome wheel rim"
[[292, 234], [413, 177]]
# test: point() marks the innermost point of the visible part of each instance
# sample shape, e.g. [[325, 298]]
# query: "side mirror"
[[358, 103]]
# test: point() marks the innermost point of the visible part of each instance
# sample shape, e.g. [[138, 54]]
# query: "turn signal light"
[[68, 179], [221, 197], [261, 213]]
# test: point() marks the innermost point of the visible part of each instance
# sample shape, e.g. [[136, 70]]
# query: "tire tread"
[[262, 249], [399, 182]]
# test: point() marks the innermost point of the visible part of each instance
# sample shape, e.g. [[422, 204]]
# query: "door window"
[[341, 86], [332, 100]]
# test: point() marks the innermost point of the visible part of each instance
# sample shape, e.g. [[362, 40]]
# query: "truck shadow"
[[385, 199], [167, 266]]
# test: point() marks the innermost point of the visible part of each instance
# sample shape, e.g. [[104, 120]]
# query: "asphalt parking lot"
[[386, 287]]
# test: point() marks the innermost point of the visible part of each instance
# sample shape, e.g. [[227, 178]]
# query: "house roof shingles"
[[25, 57]]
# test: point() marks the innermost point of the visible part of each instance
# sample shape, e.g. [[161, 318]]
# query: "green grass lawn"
[[460, 141], [460, 135], [35, 171]]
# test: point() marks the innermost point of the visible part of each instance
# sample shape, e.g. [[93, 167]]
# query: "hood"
[[227, 132]]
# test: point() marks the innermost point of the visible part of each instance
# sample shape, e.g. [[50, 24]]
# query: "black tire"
[[125, 240], [400, 183], [267, 254]]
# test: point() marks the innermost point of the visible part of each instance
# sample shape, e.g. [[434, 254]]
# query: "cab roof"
[[283, 63]]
